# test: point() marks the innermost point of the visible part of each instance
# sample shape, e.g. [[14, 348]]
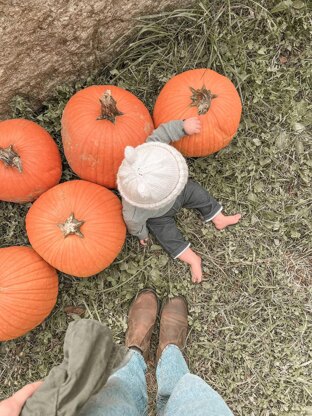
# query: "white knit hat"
[[151, 175]]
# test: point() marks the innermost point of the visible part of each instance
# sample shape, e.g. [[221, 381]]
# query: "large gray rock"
[[45, 43]]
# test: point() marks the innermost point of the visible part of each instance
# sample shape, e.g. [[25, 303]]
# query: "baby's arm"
[[136, 223], [137, 228], [174, 130]]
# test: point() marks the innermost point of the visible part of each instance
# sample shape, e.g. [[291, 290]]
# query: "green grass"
[[250, 321]]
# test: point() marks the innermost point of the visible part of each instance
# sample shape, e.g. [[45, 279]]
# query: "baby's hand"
[[144, 242], [191, 125]]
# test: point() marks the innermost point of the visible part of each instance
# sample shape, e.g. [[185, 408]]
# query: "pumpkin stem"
[[109, 110], [201, 99], [10, 158], [71, 226]]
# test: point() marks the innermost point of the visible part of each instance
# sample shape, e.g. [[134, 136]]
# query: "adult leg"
[[184, 394], [171, 365], [193, 397], [179, 392], [125, 391], [170, 370]]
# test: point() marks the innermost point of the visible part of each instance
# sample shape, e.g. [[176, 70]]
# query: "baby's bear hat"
[[152, 175]]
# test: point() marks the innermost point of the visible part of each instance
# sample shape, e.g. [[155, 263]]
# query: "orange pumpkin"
[[97, 124], [28, 291], [206, 94], [77, 227], [30, 162]]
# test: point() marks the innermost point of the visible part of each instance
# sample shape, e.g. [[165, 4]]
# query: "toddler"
[[154, 185]]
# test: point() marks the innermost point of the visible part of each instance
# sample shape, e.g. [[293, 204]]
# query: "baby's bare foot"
[[191, 258], [222, 221], [196, 271]]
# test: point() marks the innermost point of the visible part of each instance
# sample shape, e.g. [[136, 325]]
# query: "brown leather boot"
[[173, 324], [141, 320]]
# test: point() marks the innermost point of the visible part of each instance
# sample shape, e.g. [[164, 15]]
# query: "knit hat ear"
[[143, 191], [130, 154]]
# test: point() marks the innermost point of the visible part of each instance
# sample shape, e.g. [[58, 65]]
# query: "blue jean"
[[179, 392]]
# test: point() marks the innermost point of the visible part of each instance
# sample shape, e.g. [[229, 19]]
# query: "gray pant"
[[165, 229]]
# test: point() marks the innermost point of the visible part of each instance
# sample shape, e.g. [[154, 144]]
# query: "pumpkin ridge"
[[25, 328], [90, 252], [14, 274], [10, 324], [36, 316], [10, 289], [96, 203], [90, 152], [222, 128], [33, 290], [44, 303]]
